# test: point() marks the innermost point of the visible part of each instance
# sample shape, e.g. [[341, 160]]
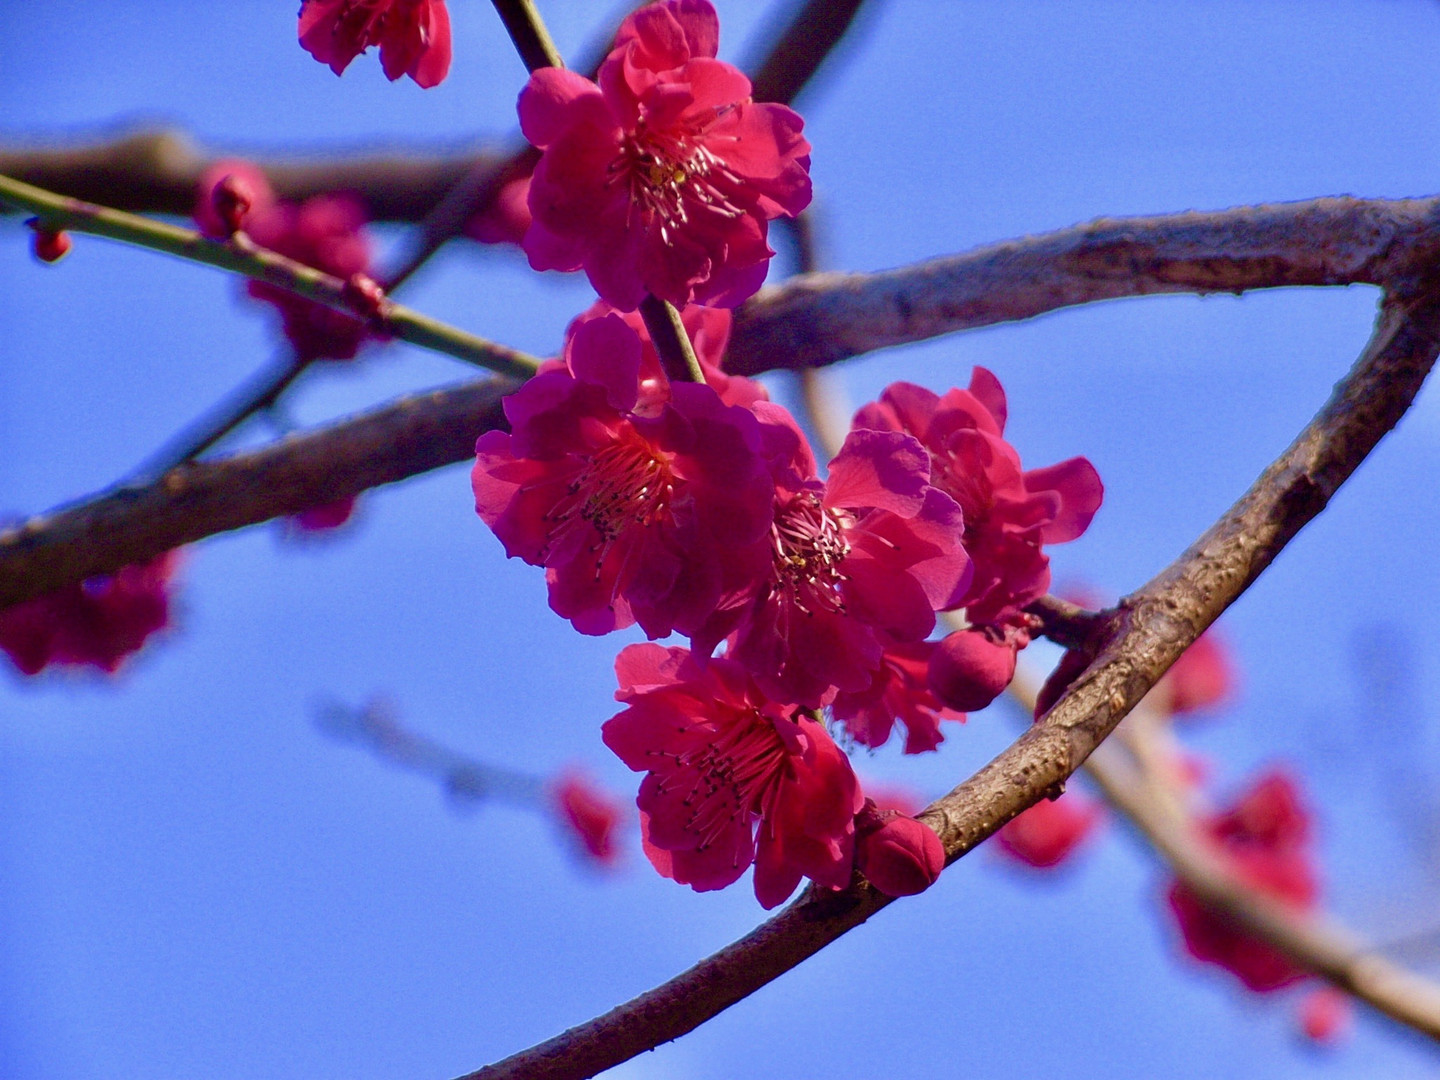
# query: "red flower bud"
[[364, 296], [1325, 1015], [50, 245], [969, 669], [898, 854], [233, 198]]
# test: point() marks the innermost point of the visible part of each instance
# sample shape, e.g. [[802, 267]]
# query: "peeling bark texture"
[[819, 319], [130, 525], [1146, 634]]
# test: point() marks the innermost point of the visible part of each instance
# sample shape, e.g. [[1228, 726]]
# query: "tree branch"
[[1155, 625], [820, 319], [133, 524], [242, 256]]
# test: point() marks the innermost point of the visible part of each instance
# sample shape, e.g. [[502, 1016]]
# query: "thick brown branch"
[[158, 171], [1156, 625], [130, 525], [820, 319]]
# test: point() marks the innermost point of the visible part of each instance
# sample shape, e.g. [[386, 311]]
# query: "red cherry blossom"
[[589, 815], [898, 854], [856, 564], [328, 233], [731, 777], [899, 692], [631, 505], [98, 622], [1203, 677], [1264, 839], [971, 668], [507, 218], [413, 35], [1049, 832], [1010, 514], [662, 178]]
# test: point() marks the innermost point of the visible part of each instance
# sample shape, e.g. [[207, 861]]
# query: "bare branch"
[[133, 524], [159, 172], [820, 319], [801, 48], [1153, 627]]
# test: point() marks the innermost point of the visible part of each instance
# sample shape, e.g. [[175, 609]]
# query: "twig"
[[527, 31], [672, 343], [800, 49], [820, 319], [1155, 626], [134, 524], [1068, 624], [243, 257]]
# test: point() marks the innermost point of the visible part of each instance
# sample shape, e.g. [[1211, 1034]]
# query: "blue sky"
[[198, 883]]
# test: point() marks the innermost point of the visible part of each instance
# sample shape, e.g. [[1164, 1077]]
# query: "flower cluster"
[[98, 622], [413, 35]]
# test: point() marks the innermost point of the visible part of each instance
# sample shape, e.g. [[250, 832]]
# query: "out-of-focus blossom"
[[857, 563], [321, 519], [731, 777], [98, 622], [1264, 840], [1325, 1015], [413, 35], [631, 513], [1010, 514], [899, 855], [709, 333], [1203, 677], [662, 178], [899, 692], [1049, 832], [589, 814], [507, 218]]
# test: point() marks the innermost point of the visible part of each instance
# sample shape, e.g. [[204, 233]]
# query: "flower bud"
[[50, 245], [229, 192], [898, 854], [969, 669]]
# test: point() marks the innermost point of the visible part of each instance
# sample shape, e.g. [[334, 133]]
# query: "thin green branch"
[[240, 256]]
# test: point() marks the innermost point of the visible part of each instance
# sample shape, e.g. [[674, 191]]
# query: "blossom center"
[[624, 485], [737, 774], [672, 175], [809, 546]]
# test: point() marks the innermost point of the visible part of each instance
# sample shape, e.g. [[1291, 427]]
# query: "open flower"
[[731, 777], [899, 692], [413, 35], [1010, 514], [631, 511], [856, 563], [662, 178], [98, 622], [1264, 840]]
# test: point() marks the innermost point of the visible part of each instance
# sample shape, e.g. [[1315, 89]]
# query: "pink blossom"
[[1010, 514], [328, 233], [898, 693], [1049, 832], [1203, 677], [731, 777], [1264, 840], [589, 814], [662, 178], [856, 564], [98, 622], [899, 855], [507, 218], [631, 511], [709, 332], [413, 35]]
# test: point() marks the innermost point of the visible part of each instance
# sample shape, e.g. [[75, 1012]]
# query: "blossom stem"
[[671, 341], [527, 31], [242, 256]]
